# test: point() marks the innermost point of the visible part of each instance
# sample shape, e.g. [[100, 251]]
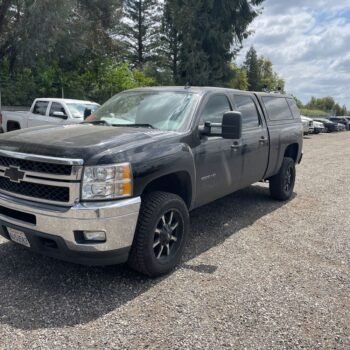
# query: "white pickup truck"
[[46, 111]]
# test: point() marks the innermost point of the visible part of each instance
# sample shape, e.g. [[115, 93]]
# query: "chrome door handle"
[[262, 140], [236, 146]]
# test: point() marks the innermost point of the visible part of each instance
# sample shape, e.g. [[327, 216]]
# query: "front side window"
[[56, 107], [40, 107], [215, 109], [160, 110], [247, 107], [80, 110]]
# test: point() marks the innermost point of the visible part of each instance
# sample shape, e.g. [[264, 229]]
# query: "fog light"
[[95, 236]]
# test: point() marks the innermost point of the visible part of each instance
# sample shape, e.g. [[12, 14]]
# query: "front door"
[[255, 139], [219, 166]]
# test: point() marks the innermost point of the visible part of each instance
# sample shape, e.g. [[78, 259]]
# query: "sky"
[[308, 43]]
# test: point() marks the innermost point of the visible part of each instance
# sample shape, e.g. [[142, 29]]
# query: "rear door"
[[255, 139], [38, 114]]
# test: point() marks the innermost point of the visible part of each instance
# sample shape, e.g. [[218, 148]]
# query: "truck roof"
[[66, 100], [204, 89]]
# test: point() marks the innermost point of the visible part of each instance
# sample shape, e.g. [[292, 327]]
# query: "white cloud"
[[309, 45]]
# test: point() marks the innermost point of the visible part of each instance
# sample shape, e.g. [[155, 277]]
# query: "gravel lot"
[[257, 274]]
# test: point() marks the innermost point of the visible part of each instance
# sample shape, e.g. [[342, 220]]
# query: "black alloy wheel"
[[161, 234], [167, 235], [282, 184]]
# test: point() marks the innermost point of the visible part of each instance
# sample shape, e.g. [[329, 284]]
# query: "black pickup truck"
[[119, 187]]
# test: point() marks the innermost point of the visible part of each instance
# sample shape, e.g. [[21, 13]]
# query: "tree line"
[[322, 107], [91, 49]]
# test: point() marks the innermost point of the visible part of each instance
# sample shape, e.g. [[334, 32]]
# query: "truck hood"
[[78, 141]]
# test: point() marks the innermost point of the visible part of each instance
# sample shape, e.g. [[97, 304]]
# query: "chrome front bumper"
[[117, 219]]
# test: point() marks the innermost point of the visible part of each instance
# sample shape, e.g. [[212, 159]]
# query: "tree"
[[170, 40], [327, 105], [35, 30], [252, 68], [239, 78], [210, 32], [298, 102], [4, 7], [140, 30], [261, 75], [270, 80]]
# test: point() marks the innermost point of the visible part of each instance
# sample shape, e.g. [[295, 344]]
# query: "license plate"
[[18, 237]]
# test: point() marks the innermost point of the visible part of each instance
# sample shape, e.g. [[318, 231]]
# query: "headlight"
[[107, 182]]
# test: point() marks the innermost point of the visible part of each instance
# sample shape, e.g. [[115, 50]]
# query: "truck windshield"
[[160, 110]]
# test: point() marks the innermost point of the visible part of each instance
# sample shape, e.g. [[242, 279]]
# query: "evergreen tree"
[[50, 31], [170, 38], [140, 30], [211, 31], [251, 65]]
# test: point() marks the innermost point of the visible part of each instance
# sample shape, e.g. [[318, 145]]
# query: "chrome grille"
[[47, 192], [47, 168], [46, 179]]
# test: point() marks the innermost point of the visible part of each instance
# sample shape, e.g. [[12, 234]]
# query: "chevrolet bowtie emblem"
[[14, 174]]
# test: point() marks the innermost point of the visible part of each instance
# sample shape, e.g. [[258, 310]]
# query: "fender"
[[152, 160]]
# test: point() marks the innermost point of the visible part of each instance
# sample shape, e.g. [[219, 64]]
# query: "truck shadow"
[[39, 292]]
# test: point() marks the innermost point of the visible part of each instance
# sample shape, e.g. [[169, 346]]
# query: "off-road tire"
[[154, 206], [282, 184]]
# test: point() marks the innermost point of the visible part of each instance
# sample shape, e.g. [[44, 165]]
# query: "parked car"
[[48, 111], [120, 186], [305, 126], [341, 120], [329, 125], [310, 123], [318, 127], [341, 127]]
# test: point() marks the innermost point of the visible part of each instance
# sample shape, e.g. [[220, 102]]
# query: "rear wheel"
[[161, 234], [282, 184]]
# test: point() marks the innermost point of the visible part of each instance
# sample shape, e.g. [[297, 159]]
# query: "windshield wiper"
[[149, 126], [98, 122]]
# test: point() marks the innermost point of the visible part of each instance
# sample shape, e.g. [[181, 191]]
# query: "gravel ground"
[[257, 274]]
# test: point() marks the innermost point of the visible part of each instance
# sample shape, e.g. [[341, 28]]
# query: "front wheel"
[[282, 184], [161, 234]]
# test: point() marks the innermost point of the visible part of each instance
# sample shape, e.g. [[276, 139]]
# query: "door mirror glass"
[[232, 125], [59, 115]]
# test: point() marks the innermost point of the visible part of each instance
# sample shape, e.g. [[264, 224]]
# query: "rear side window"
[[277, 108], [293, 107], [245, 105], [40, 107]]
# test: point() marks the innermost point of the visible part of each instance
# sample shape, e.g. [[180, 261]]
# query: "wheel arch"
[[178, 183], [292, 151], [13, 125]]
